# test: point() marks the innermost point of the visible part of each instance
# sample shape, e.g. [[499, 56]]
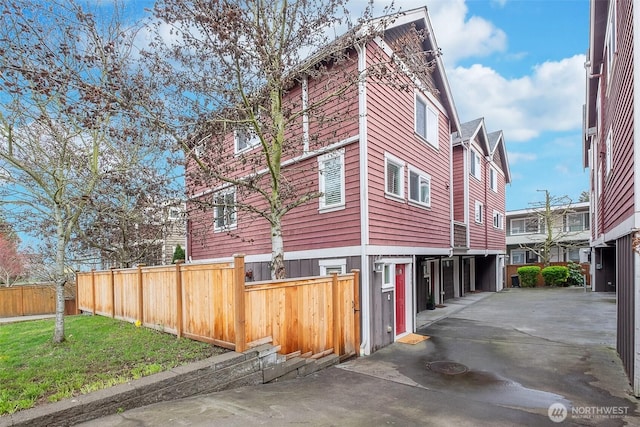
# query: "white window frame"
[[610, 40], [430, 120], [583, 223], [420, 176], [479, 212], [252, 141], [493, 179], [327, 266], [322, 161], [388, 277], [518, 252], [174, 213], [475, 164], [233, 224], [388, 158], [524, 226], [498, 220]]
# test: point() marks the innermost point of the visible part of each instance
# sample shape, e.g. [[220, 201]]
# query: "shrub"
[[528, 275], [555, 275], [178, 254], [575, 274]]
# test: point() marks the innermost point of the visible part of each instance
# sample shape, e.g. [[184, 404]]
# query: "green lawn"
[[99, 352]]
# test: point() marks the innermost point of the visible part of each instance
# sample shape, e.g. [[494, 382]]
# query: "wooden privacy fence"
[[212, 303], [512, 270], [27, 300]]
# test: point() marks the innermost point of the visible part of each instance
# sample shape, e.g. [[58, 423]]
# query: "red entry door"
[[401, 321]]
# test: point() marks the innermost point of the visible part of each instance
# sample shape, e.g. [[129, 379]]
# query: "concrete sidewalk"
[[450, 307], [508, 359], [25, 318]]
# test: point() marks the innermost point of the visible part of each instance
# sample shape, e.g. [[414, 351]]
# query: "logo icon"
[[557, 412]]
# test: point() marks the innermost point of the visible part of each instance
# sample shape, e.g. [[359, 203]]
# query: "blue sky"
[[520, 65]]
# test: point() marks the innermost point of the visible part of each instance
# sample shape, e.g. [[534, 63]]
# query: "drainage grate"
[[447, 367]]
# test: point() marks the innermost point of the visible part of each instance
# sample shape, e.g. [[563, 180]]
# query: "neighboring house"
[[150, 243], [612, 154], [388, 202], [527, 229]]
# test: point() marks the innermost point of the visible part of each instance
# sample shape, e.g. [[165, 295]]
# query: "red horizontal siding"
[[390, 115], [458, 183], [617, 201]]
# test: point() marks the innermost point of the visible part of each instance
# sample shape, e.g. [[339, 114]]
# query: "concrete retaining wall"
[[229, 370]]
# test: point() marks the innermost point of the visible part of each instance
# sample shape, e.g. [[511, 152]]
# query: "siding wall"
[[496, 202], [478, 191], [303, 227], [390, 130], [625, 338], [458, 182], [617, 202]]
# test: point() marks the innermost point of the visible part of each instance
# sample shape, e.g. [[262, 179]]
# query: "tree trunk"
[[277, 251], [59, 279]]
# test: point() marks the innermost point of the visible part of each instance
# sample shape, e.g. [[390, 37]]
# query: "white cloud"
[[517, 157], [460, 36], [550, 99]]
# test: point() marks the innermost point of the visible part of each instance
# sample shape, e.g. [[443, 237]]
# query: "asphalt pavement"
[[521, 357]]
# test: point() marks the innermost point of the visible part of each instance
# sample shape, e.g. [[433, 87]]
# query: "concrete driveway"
[[502, 361]]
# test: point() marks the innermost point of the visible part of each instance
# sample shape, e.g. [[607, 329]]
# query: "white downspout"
[[365, 274], [636, 183], [451, 201]]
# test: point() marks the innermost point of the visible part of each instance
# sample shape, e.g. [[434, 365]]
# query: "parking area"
[[518, 357]]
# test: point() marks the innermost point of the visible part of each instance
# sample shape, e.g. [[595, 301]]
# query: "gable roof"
[[499, 153], [419, 17], [492, 144], [473, 130]]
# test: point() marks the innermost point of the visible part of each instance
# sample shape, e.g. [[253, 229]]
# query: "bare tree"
[[229, 70], [11, 260], [550, 219], [56, 127]]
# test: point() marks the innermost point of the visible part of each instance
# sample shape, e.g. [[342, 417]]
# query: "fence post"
[[356, 310], [239, 303], [336, 314], [93, 292], [140, 293], [21, 300], [179, 298], [113, 295], [77, 293]]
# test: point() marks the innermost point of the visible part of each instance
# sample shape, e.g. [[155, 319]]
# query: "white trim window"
[[479, 212], [610, 39], [530, 225], [518, 256], [224, 210], [577, 221], [245, 139], [419, 187], [330, 266], [174, 214], [331, 181], [498, 220], [393, 176], [475, 165], [493, 179], [387, 276], [426, 121]]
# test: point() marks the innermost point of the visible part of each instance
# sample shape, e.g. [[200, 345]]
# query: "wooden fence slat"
[[214, 304], [239, 303]]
